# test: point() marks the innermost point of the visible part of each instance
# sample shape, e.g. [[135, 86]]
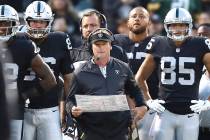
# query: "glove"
[[156, 105], [200, 105]]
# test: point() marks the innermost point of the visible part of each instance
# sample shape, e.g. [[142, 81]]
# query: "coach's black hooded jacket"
[[88, 80]]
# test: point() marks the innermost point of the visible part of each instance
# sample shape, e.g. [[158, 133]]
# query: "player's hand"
[[139, 112], [200, 105], [76, 111], [156, 105]]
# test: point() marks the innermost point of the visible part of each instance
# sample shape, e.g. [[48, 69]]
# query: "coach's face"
[[138, 20], [89, 24], [101, 49]]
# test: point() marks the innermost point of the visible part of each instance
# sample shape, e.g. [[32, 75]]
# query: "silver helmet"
[[178, 15], [38, 11], [9, 17]]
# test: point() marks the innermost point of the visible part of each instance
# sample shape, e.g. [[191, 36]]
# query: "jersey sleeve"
[[67, 63], [205, 43], [151, 46], [31, 50]]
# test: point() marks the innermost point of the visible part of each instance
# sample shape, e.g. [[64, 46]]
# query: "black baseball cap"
[[101, 34]]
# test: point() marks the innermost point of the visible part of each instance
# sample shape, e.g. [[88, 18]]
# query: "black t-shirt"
[[54, 50], [136, 54], [180, 70], [16, 56]]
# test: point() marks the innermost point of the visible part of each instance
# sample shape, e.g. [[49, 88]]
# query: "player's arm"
[[206, 61], [67, 83], [66, 70], [132, 89], [143, 74], [43, 71]]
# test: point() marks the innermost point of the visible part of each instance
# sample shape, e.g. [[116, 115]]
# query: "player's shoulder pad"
[[197, 38], [120, 38], [154, 41], [61, 38], [78, 66], [24, 41], [200, 41], [117, 47], [21, 36]]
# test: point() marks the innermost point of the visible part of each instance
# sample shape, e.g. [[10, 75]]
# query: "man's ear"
[[110, 45]]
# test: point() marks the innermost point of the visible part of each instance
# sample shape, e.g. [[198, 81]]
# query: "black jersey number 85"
[[176, 74]]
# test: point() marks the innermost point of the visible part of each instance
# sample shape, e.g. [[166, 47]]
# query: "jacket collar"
[[93, 68]]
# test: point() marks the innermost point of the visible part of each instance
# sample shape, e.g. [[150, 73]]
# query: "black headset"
[[89, 44], [102, 18]]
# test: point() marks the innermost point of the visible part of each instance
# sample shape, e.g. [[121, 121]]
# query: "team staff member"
[[204, 90], [54, 48], [90, 21], [179, 58], [113, 78]]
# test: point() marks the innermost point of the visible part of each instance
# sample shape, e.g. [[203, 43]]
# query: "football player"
[[4, 122], [204, 90], [179, 59], [135, 43], [18, 54], [54, 48]]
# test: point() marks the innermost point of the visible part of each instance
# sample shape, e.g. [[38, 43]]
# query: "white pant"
[[42, 124], [16, 129], [170, 126], [144, 125]]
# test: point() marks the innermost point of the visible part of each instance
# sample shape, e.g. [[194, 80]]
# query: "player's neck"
[[178, 43], [137, 37], [38, 41]]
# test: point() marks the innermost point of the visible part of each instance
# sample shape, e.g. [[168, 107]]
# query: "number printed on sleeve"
[[68, 42], [207, 41]]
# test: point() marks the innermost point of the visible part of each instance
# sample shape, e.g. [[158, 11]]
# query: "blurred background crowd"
[[68, 13]]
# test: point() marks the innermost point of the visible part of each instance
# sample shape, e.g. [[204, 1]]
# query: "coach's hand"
[[76, 111], [200, 105], [156, 105]]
